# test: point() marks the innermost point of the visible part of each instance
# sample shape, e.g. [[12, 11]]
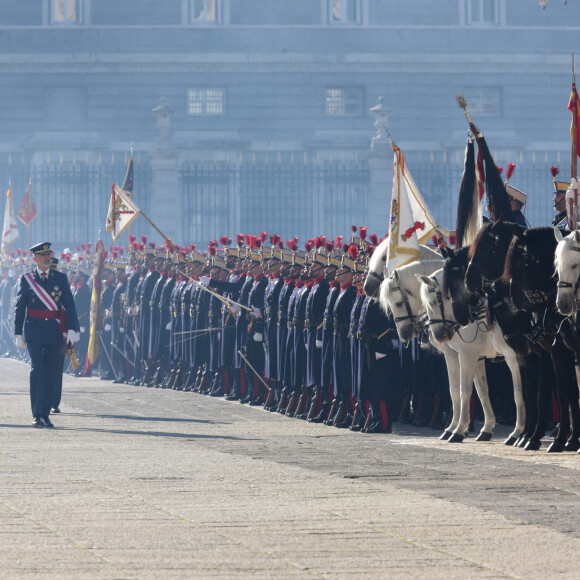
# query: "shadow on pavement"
[[146, 418]]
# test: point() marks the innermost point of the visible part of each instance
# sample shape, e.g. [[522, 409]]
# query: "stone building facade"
[[255, 114]]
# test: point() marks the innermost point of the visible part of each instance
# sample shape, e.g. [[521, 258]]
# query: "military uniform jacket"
[[44, 330], [117, 315], [271, 299], [561, 221], [315, 305], [242, 321], [284, 298], [341, 345], [325, 334]]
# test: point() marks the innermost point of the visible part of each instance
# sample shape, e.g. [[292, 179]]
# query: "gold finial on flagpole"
[[463, 105]]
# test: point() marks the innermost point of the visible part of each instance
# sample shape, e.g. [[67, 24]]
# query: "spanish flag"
[[94, 347], [574, 108]]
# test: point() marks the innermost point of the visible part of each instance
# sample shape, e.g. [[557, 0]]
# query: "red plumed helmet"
[[374, 239], [345, 248], [370, 249], [318, 242], [132, 239], [258, 242], [339, 240], [263, 236], [510, 170], [143, 240], [152, 245], [362, 232], [353, 251], [329, 246], [193, 247], [121, 251], [212, 250], [240, 240], [169, 244], [308, 246], [280, 244], [247, 238], [224, 241], [500, 169], [554, 170], [354, 229]]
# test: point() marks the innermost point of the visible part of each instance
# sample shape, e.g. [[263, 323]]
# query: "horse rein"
[[418, 323]]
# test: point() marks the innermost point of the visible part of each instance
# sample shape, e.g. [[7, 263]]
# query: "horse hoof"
[[572, 445], [533, 445], [483, 436], [456, 438], [445, 435], [556, 447], [510, 441], [522, 441]]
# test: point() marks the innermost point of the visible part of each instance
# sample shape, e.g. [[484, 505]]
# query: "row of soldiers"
[[286, 329]]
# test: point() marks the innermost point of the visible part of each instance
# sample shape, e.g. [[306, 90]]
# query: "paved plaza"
[[149, 483]]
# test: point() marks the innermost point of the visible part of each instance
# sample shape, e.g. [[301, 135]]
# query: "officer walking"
[[45, 316]]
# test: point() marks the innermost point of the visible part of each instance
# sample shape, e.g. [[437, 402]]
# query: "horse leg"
[[563, 360], [547, 378], [482, 389], [467, 365], [513, 365], [452, 360], [530, 386]]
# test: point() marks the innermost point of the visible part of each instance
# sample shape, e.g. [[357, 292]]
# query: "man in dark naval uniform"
[[45, 312], [560, 187]]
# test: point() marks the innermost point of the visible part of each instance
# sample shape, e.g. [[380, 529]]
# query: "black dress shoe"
[[257, 402], [38, 422], [55, 410], [47, 422]]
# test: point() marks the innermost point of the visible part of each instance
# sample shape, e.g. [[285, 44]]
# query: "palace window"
[[65, 12], [206, 102], [484, 101], [344, 12], [482, 12], [205, 11], [344, 102]]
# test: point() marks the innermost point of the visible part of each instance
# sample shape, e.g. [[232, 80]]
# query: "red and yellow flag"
[[574, 108], [27, 210], [94, 347]]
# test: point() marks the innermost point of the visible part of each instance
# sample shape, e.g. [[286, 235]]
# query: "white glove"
[[379, 355], [129, 311], [168, 327], [204, 280], [318, 344], [424, 345], [258, 337], [235, 310], [20, 341], [107, 313], [107, 327], [72, 336], [121, 329], [256, 312], [395, 343], [82, 329]]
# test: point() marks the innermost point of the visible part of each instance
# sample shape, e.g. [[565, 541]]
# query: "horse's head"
[[438, 308], [463, 302], [529, 267], [376, 268], [400, 293], [487, 254], [567, 264]]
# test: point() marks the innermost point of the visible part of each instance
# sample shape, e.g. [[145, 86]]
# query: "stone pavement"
[[149, 483]]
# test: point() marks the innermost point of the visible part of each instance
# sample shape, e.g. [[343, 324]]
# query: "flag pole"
[[574, 152]]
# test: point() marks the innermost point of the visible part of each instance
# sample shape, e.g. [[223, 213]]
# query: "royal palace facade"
[[246, 115]]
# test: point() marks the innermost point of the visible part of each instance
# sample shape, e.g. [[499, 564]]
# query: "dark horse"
[[529, 269], [506, 334]]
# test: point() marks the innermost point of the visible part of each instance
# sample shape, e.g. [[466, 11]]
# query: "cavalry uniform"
[[118, 330]]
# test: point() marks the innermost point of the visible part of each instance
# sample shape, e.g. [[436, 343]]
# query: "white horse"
[[401, 294], [473, 345], [378, 261], [567, 266], [443, 310]]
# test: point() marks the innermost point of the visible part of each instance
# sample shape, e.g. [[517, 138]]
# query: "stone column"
[[165, 205], [381, 168]]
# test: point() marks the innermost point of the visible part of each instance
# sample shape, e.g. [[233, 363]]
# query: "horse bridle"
[[450, 325], [418, 323], [562, 284]]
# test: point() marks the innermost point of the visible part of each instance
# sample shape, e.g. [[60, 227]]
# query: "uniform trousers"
[[45, 365]]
